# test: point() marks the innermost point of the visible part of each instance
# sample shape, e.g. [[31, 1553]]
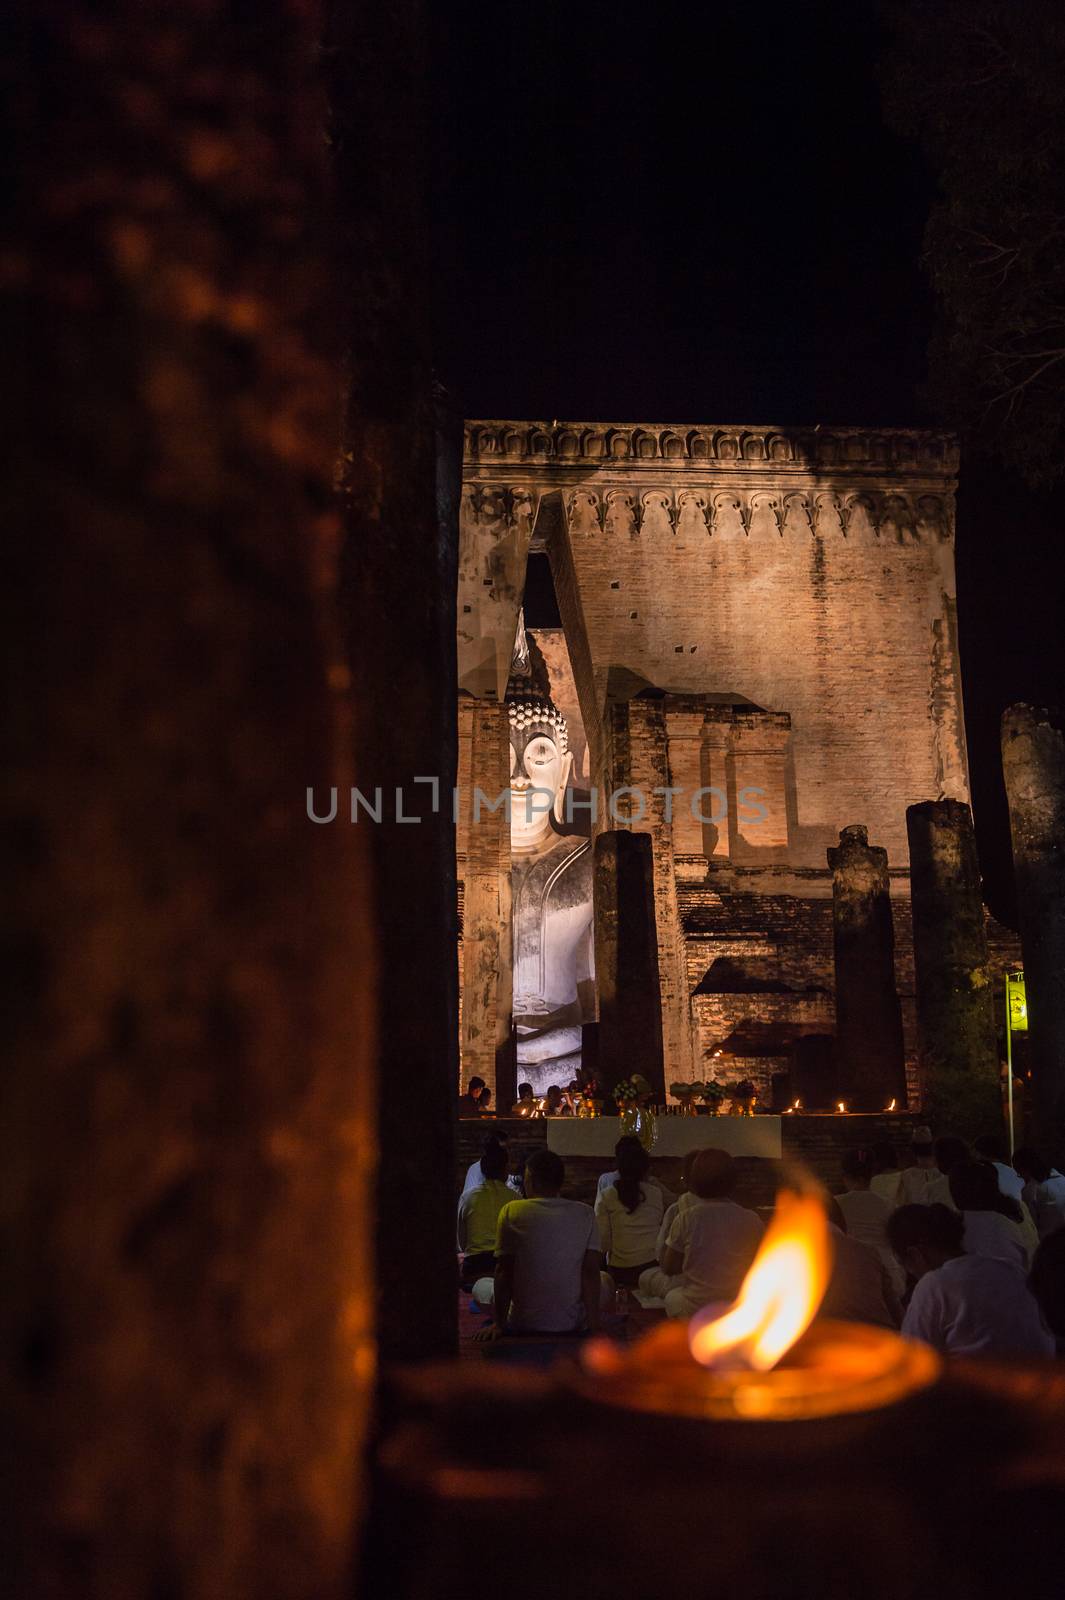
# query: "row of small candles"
[[841, 1109], [590, 1108]]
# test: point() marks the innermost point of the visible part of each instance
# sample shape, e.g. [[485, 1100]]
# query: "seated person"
[[478, 1215], [470, 1102], [1046, 1282], [546, 1259], [711, 1244], [865, 1213], [1044, 1190], [949, 1152], [475, 1171], [922, 1182], [607, 1180], [681, 1203], [992, 1147], [630, 1214], [860, 1288], [885, 1177], [555, 1103], [962, 1304], [994, 1224], [484, 1104], [525, 1104]]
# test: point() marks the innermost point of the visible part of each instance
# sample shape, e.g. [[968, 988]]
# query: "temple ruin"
[[761, 629]]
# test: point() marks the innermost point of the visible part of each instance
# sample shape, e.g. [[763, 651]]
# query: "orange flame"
[[779, 1296]]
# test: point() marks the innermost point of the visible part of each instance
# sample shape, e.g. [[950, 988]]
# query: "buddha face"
[[539, 771]]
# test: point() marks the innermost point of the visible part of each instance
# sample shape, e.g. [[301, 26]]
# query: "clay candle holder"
[[751, 1452], [760, 1360]]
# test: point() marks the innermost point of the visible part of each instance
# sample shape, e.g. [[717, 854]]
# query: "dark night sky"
[[695, 212]]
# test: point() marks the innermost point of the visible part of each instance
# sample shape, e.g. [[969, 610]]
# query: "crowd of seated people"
[[970, 1267], [980, 1241], [964, 1303], [555, 1102]]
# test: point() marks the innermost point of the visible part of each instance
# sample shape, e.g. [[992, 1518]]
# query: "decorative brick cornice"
[[880, 509], [594, 446]]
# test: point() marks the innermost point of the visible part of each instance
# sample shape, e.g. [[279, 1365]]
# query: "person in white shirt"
[[475, 1170], [478, 1215], [682, 1202], [607, 1180], [994, 1224], [711, 1244], [546, 1259], [963, 1304], [859, 1287], [630, 1214], [992, 1147], [922, 1182], [866, 1214], [1044, 1189], [885, 1179]]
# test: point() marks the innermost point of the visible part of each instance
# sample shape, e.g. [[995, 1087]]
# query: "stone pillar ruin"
[[400, 488], [870, 1058], [484, 856], [955, 1007], [1033, 764], [207, 979], [189, 1139], [626, 960], [638, 762]]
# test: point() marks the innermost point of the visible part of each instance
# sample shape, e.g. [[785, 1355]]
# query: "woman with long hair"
[[630, 1215]]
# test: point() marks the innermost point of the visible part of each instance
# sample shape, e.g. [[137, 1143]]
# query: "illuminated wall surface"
[[763, 614]]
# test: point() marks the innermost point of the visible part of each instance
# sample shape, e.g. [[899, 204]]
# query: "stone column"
[[189, 1140], [638, 759], [626, 959], [484, 839], [955, 1008], [400, 463], [870, 1059], [1033, 764]]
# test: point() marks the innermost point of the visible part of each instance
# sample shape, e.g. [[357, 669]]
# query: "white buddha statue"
[[551, 886]]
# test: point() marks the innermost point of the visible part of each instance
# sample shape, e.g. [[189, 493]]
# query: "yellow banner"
[[1017, 1001]]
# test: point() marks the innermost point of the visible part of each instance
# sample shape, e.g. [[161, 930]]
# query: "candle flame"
[[891, 1107], [779, 1296], [841, 1107]]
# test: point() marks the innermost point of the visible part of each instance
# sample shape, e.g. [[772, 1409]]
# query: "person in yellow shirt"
[[478, 1214]]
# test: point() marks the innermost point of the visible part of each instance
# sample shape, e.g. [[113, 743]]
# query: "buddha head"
[[540, 762]]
